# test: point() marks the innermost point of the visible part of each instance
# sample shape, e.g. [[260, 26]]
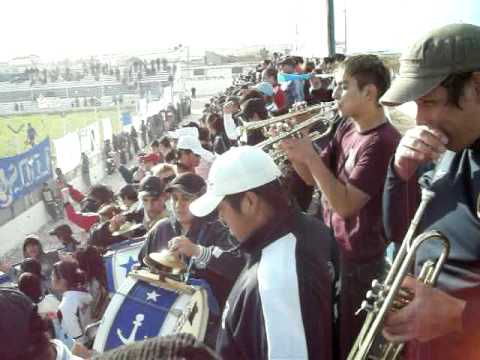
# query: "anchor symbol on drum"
[[136, 324]]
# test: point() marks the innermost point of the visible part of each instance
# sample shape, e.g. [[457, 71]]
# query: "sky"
[[57, 29]]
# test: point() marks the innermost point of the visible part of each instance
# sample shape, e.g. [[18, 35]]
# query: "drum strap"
[[201, 235]]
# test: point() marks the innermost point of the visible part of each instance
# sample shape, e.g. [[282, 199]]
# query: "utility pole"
[[331, 27], [345, 19]]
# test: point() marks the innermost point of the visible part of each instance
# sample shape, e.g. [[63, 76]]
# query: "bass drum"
[[119, 260], [141, 310]]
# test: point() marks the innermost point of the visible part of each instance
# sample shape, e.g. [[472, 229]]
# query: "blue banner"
[[126, 119], [24, 173]]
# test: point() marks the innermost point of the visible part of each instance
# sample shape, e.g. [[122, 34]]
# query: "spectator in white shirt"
[[74, 309]]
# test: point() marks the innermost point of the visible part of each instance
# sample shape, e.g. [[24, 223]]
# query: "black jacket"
[[220, 267], [280, 306], [101, 236], [221, 143], [455, 182]]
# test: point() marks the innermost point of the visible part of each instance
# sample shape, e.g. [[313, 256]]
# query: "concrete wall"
[[13, 232]]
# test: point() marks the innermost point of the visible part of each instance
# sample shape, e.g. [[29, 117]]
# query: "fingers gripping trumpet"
[[389, 296]]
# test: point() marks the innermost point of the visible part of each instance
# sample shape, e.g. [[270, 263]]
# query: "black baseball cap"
[[63, 229], [288, 61], [187, 183], [151, 186]]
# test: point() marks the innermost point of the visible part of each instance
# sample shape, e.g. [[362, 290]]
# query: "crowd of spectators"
[[133, 70]]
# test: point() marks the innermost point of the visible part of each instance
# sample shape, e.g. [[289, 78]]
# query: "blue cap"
[[265, 88]]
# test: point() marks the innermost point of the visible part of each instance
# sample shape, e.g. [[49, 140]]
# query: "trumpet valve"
[[366, 306], [373, 296], [377, 286]]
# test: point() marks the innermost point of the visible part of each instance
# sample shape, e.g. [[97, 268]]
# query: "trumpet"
[[263, 124], [389, 296], [279, 155], [326, 117]]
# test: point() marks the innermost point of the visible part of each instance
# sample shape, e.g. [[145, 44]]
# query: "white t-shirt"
[[62, 351], [233, 133], [76, 314], [203, 168]]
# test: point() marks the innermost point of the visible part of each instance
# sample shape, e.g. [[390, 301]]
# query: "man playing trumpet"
[[350, 172], [441, 73]]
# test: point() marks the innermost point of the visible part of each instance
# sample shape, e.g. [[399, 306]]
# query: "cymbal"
[[126, 228], [167, 259]]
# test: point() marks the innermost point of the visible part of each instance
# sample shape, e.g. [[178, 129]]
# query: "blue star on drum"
[[129, 265]]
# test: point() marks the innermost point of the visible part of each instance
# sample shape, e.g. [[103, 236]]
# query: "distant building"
[[207, 80], [19, 64]]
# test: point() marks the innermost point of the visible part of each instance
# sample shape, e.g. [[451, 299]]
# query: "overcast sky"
[[71, 28]]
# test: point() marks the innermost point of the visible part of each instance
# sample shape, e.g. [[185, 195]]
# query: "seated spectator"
[[155, 148], [164, 171], [33, 266], [47, 306], [220, 140], [32, 249], [203, 240], [65, 235], [170, 347], [267, 91], [204, 138], [153, 198], [165, 145], [31, 285], [100, 233], [147, 162], [99, 194], [249, 94], [254, 110], [320, 90], [190, 152], [129, 196], [74, 309], [171, 157], [91, 262], [292, 85], [24, 333]]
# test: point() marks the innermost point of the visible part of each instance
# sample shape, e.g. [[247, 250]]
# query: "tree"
[[264, 53]]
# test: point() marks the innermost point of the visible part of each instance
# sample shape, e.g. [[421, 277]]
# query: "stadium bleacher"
[[106, 88]]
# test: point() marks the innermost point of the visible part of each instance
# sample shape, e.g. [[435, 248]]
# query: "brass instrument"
[[478, 207], [326, 117], [279, 155], [389, 296], [263, 124]]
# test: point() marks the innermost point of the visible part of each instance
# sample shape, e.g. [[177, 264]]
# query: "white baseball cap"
[[237, 170], [189, 142]]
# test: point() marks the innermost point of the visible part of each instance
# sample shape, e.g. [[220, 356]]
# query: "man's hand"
[[117, 221], [5, 266], [432, 313], [66, 256], [65, 195], [82, 351], [184, 246], [418, 146], [228, 108], [298, 150]]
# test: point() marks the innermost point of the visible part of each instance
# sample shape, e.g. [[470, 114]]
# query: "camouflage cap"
[[453, 48]]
